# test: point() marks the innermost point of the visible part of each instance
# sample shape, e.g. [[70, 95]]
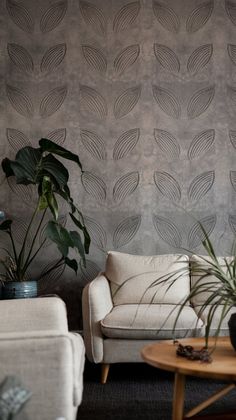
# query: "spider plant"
[[39, 167], [215, 280]]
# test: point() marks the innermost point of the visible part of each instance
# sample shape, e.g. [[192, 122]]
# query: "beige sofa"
[[36, 347], [121, 313]]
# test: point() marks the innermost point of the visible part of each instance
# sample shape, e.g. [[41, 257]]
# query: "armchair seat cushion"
[[150, 321]]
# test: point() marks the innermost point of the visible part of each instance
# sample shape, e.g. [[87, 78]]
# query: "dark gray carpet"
[[141, 392]]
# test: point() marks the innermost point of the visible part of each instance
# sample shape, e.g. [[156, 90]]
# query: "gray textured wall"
[[145, 92]]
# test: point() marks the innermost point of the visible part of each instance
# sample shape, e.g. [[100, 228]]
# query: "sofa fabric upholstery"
[[41, 352], [96, 304], [120, 317], [118, 350], [149, 322], [131, 276], [122, 313], [41, 314]]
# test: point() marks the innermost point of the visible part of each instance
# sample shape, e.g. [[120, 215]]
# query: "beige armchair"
[[121, 313], [36, 347]]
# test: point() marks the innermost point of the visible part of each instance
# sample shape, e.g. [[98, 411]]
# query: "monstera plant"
[[41, 168]]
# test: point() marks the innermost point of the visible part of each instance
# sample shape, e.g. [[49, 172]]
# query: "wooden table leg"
[[178, 397], [209, 401]]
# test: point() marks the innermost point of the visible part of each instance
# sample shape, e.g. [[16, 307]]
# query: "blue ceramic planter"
[[19, 289]]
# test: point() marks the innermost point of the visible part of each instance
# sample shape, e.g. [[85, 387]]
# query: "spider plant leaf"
[[210, 317], [207, 243], [234, 268], [170, 277], [225, 310], [211, 267], [181, 307], [51, 147], [229, 268]]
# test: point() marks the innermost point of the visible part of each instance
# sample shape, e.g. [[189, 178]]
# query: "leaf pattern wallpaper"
[[145, 92]]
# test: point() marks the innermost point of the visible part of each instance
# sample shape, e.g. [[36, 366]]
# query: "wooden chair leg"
[[104, 373]]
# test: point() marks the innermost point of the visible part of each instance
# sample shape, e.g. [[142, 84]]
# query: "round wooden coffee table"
[[223, 366]]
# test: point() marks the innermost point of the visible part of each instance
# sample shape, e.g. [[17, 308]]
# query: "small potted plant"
[[40, 167]]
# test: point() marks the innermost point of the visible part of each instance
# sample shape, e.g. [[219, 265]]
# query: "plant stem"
[[28, 259], [13, 245], [22, 251], [34, 255], [56, 265]]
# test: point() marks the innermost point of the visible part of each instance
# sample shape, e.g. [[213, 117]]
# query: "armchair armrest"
[[35, 314], [96, 304], [50, 365]]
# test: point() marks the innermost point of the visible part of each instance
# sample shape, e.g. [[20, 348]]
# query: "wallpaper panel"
[[145, 92]]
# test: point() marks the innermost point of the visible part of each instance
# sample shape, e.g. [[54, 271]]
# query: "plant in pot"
[[213, 287], [41, 168]]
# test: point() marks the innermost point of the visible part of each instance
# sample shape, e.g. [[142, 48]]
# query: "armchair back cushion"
[[131, 276]]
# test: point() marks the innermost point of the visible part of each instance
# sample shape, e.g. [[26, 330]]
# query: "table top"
[[223, 366]]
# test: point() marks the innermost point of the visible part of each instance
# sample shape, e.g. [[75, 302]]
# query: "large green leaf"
[[58, 234], [30, 155], [6, 167], [72, 264], [55, 169], [65, 194], [22, 175], [30, 166], [6, 225], [51, 147], [87, 238], [78, 244], [26, 165]]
